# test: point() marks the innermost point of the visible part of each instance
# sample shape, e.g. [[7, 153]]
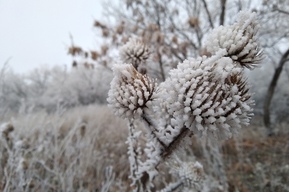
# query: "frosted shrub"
[[205, 97], [52, 89]]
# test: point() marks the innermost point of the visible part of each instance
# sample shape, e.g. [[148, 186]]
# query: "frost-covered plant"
[[238, 41], [190, 175], [135, 52], [206, 96], [131, 92]]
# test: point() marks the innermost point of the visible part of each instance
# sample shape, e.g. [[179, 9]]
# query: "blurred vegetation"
[[64, 139]]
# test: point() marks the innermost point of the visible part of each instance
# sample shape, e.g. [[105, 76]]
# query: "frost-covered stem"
[[134, 154], [132, 151], [109, 179], [145, 172], [175, 143], [152, 129], [173, 186], [212, 152], [167, 150]]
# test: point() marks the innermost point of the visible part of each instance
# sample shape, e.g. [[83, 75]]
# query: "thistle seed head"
[[239, 40], [206, 95], [131, 92], [134, 52]]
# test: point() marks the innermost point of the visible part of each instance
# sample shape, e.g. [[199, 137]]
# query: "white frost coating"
[[134, 152], [131, 92], [190, 174], [122, 71], [207, 100], [134, 52], [238, 40]]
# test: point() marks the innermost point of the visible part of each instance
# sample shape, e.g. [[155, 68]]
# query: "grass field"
[[83, 149]]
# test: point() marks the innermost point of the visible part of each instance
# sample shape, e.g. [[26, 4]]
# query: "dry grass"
[[68, 151], [75, 149], [255, 162]]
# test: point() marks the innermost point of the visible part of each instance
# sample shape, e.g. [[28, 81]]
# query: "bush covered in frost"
[[53, 89]]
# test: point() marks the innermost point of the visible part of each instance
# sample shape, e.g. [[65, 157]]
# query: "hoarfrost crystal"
[[239, 41], [131, 92], [205, 95], [134, 52]]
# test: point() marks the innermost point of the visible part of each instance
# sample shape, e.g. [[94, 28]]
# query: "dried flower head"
[[99, 24], [105, 32], [131, 92], [120, 28], [206, 95], [75, 50], [239, 41], [6, 128], [193, 22], [134, 52], [23, 164], [94, 55]]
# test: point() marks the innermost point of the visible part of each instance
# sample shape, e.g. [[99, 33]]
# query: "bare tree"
[[275, 35], [174, 29]]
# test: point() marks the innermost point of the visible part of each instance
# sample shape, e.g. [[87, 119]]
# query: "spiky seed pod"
[[206, 95], [134, 52], [239, 40], [131, 92]]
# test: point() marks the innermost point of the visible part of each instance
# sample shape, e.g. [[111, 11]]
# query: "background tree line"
[[174, 30]]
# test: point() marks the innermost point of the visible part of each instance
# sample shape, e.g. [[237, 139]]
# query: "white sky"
[[36, 32]]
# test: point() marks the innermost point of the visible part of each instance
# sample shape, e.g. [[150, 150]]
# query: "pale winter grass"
[[83, 149]]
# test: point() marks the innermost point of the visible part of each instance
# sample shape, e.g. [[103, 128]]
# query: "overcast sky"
[[36, 32]]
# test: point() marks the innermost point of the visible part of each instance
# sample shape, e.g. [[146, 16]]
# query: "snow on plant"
[[206, 96]]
